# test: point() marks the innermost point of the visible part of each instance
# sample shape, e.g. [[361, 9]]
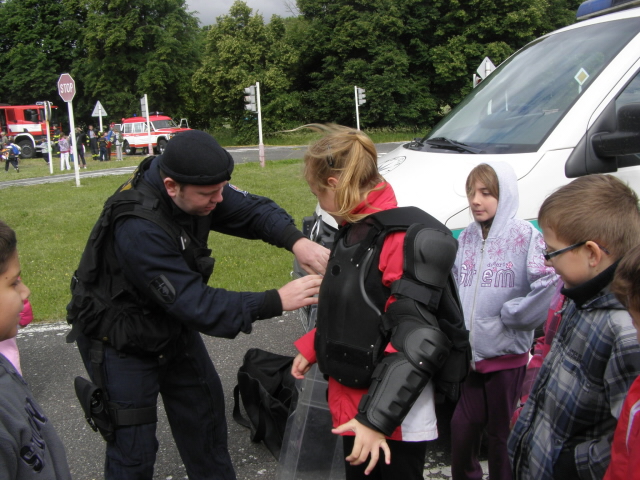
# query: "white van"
[[565, 105]]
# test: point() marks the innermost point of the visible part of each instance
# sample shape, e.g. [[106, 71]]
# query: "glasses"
[[548, 256]]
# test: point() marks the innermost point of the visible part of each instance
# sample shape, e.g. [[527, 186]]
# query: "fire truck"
[[135, 136], [26, 123]]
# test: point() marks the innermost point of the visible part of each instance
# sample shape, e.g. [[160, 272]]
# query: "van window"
[[139, 128], [157, 124], [126, 128], [516, 107]]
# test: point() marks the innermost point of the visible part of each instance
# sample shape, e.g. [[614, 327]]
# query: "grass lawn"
[[53, 221], [36, 167]]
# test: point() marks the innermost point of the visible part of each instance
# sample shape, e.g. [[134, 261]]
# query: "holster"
[[102, 415], [95, 407]]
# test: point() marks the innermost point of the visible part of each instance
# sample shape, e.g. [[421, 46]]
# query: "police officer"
[[141, 299]]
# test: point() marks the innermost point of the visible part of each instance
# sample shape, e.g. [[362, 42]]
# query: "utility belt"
[[101, 414]]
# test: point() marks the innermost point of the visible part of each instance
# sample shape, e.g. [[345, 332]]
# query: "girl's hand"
[[368, 442], [300, 366]]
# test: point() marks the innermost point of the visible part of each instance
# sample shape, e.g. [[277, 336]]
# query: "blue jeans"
[[193, 400]]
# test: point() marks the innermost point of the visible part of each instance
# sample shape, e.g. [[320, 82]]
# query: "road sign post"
[[67, 90], [360, 100], [252, 100], [144, 105], [47, 117], [99, 111]]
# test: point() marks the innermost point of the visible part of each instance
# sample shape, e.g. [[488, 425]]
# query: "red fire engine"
[[26, 123]]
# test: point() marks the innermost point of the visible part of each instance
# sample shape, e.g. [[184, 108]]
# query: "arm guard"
[[400, 377], [422, 348]]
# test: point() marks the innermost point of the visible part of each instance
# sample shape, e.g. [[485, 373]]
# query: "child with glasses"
[[506, 290], [565, 428]]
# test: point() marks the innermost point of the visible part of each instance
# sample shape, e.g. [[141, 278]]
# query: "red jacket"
[[420, 423], [625, 449]]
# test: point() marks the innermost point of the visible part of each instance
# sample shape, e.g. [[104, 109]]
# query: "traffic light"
[[250, 98], [361, 96]]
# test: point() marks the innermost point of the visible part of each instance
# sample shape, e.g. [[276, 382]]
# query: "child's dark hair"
[[8, 245], [626, 282]]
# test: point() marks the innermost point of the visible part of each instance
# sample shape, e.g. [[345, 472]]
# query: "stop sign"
[[66, 87]]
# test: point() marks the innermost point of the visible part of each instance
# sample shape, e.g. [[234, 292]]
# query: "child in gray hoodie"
[[505, 289]]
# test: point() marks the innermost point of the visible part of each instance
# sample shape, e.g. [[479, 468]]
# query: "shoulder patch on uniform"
[[163, 289], [243, 192]]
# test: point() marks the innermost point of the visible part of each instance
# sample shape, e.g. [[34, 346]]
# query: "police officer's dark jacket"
[[142, 281]]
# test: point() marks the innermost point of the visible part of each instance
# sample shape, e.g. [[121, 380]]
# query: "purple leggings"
[[486, 404]]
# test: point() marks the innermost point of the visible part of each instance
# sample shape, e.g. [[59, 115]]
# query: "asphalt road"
[[49, 365]]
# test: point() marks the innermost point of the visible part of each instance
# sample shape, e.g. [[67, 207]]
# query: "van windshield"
[[516, 107], [158, 124]]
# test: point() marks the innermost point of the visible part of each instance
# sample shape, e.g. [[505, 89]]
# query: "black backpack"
[[268, 393]]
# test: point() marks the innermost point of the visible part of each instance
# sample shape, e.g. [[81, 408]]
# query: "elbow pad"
[[400, 377]]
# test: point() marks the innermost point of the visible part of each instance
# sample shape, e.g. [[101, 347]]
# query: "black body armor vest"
[[107, 307], [349, 339], [352, 330]]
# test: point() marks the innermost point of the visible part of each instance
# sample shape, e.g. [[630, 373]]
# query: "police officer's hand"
[[311, 256], [368, 442], [300, 292]]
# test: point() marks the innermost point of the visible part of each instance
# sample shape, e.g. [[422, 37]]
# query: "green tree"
[[37, 43], [240, 51], [136, 47], [414, 58]]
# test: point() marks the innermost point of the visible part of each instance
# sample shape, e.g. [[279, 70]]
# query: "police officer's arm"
[[152, 262], [245, 215]]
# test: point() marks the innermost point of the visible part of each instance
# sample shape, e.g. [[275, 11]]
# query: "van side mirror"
[[626, 139]]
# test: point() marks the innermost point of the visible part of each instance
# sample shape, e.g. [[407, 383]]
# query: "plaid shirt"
[[578, 394]]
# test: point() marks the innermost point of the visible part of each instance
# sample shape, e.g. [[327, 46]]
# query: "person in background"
[[45, 148], [12, 155], [93, 142], [118, 140], [65, 150], [625, 449], [505, 289], [541, 347], [81, 139], [102, 145], [565, 428], [30, 447]]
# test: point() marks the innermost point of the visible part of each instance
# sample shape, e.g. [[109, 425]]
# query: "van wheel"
[[27, 149], [128, 149], [162, 144]]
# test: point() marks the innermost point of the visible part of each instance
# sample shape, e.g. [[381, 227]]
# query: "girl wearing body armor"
[[341, 170]]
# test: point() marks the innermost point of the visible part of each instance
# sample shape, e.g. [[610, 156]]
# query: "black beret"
[[194, 157]]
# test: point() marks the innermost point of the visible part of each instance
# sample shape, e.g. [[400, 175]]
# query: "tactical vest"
[[351, 337], [104, 304]]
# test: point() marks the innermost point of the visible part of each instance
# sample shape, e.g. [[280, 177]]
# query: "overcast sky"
[[210, 9]]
